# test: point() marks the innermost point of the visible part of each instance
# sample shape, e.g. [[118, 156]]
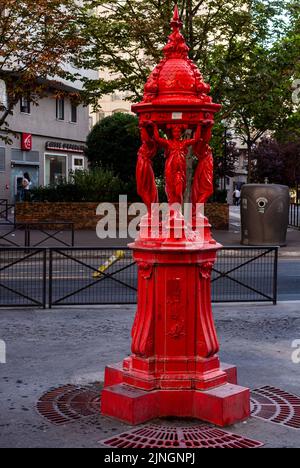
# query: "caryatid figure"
[[176, 150], [203, 184], [146, 185]]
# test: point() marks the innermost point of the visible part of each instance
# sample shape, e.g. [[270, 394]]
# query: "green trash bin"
[[265, 214]]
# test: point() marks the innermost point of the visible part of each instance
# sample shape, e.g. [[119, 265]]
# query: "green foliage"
[[113, 145], [277, 161], [37, 39], [290, 129], [248, 50], [97, 185], [219, 32], [219, 196]]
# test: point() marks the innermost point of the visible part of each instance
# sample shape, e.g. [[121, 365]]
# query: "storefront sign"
[[26, 142], [69, 147]]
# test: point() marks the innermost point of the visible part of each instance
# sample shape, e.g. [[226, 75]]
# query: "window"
[[74, 113], [100, 115], [32, 156], [25, 105], [2, 159], [78, 163], [60, 109], [55, 169]]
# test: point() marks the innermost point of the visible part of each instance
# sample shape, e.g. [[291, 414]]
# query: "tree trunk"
[[3, 117], [249, 151], [189, 177]]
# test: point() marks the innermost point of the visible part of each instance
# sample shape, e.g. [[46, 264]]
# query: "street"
[[289, 280], [28, 280]]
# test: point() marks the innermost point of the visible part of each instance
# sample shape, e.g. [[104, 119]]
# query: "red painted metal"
[[190, 437], [174, 369]]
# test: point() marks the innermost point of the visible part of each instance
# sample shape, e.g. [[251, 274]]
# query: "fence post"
[[50, 277], [45, 278], [275, 284]]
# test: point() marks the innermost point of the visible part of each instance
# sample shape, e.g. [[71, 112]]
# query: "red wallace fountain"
[[174, 369]]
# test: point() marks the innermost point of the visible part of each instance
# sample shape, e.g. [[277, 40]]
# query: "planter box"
[[84, 217], [218, 215]]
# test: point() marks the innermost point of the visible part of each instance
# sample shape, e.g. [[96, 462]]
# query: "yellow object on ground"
[[119, 255]]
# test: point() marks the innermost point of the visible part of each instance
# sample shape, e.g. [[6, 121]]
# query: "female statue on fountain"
[[176, 153]]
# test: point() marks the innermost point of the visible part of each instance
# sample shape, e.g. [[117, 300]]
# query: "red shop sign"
[[26, 142]]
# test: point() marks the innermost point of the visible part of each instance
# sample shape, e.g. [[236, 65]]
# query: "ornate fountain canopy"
[[175, 90]]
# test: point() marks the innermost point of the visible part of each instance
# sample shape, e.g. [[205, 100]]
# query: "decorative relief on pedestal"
[[143, 328], [146, 270], [207, 341], [205, 270], [176, 329]]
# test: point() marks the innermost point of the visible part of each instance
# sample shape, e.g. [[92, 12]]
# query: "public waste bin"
[[264, 214]]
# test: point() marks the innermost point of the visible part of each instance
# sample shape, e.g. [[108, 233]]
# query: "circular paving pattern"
[[70, 403], [277, 406], [190, 437]]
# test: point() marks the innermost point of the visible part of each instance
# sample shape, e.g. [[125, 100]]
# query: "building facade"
[[112, 104], [240, 175], [48, 143]]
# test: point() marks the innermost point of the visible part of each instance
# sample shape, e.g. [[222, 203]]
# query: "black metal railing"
[[6, 216], [40, 233], [294, 220], [246, 274], [95, 276], [50, 231], [241, 274], [75, 277], [23, 277]]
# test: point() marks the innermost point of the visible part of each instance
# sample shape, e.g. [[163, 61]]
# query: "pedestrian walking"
[[237, 197]]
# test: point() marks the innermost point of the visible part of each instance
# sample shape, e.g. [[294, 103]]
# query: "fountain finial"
[[176, 22]]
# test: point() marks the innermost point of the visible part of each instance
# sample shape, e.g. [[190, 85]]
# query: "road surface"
[[25, 280]]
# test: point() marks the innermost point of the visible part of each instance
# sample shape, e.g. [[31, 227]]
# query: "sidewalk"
[[49, 349], [90, 239], [233, 236]]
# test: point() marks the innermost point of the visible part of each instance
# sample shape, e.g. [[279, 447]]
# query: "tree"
[[289, 131], [226, 154], [264, 91], [126, 37], [278, 162], [37, 39], [244, 48], [261, 94], [113, 145]]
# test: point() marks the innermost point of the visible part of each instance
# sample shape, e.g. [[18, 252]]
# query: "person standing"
[[26, 184], [237, 197]]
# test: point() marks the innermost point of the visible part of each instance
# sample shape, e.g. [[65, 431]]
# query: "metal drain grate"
[[70, 403], [164, 437], [277, 406]]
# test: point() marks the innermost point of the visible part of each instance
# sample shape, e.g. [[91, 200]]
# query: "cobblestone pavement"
[[46, 349]]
